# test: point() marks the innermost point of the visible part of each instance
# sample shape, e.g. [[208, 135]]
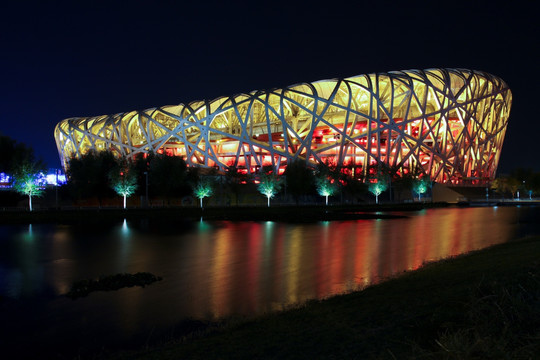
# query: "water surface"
[[212, 270]]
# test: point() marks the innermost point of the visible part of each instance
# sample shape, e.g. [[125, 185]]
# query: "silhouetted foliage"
[[13, 154], [506, 186], [236, 180], [402, 185], [299, 178], [353, 188], [141, 165], [168, 176], [526, 181], [534, 183], [88, 176]]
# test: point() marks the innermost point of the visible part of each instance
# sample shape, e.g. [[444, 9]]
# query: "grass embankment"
[[477, 306]]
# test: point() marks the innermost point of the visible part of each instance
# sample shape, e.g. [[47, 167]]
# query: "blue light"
[[125, 228], [54, 177], [5, 180]]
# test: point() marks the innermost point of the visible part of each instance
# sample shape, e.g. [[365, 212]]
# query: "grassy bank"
[[481, 305]]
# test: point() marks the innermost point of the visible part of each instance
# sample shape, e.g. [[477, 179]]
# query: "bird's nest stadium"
[[448, 123]]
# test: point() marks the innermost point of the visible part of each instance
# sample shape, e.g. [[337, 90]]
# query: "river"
[[213, 270]]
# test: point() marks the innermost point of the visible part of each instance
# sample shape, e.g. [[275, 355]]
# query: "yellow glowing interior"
[[449, 122]]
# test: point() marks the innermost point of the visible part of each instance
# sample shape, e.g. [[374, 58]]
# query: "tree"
[[506, 184], [13, 154], [326, 186], [26, 181], [235, 180], [535, 183], [513, 185], [168, 176], [269, 184], [338, 176], [377, 188], [498, 185], [354, 187], [141, 166], [420, 185], [525, 178], [299, 179], [203, 188], [389, 173], [378, 184], [88, 175], [403, 184], [124, 180]]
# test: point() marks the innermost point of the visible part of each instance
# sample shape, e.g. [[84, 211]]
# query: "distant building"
[[5, 181], [450, 123], [53, 177]]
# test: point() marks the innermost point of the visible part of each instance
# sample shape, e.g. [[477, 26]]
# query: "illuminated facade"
[[448, 122]]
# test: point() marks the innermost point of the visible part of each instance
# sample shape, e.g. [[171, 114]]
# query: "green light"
[[203, 189], [125, 184], [325, 187], [26, 182], [269, 186], [377, 188], [420, 186]]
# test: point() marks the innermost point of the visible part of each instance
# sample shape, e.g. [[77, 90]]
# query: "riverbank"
[[233, 213], [485, 304]]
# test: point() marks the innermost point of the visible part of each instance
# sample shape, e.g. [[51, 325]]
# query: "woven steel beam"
[[450, 123]]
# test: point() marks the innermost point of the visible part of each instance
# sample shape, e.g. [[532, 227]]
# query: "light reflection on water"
[[216, 269]]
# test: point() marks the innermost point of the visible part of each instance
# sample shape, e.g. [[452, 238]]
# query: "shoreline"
[[289, 213], [281, 213]]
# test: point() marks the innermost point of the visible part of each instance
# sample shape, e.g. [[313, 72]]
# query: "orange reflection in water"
[[263, 266], [221, 273]]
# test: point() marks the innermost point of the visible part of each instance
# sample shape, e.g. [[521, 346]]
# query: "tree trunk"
[[30, 202], [124, 201]]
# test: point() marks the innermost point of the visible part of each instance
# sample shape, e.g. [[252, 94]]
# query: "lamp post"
[[56, 189], [146, 193]]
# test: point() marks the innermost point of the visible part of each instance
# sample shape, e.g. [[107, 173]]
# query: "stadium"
[[448, 123]]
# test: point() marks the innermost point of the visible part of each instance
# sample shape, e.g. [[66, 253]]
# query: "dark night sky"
[[60, 60]]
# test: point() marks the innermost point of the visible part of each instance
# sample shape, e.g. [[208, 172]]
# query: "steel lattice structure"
[[449, 122]]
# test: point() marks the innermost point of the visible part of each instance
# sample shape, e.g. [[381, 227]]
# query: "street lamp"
[[146, 200], [56, 189]]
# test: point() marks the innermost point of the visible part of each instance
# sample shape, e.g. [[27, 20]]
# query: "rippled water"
[[214, 269]]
